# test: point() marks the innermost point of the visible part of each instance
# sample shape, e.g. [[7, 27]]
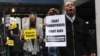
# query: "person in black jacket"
[[17, 49], [79, 42], [18, 45]]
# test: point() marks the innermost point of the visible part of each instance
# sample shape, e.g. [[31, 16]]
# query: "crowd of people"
[[79, 41]]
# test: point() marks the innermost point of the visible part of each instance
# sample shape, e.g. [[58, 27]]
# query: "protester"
[[17, 49], [52, 51], [32, 47], [79, 42]]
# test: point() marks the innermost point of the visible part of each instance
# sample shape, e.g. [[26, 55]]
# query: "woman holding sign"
[[52, 51], [33, 36]]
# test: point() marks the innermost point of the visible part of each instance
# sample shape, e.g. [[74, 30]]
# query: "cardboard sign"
[[30, 34], [10, 42]]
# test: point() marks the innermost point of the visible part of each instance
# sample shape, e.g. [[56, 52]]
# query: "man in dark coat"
[[79, 42]]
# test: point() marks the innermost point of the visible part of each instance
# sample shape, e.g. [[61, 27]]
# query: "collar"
[[76, 19], [71, 18]]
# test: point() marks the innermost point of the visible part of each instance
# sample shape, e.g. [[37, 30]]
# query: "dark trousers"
[[18, 54], [53, 51]]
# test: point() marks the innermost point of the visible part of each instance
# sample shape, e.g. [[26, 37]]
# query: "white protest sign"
[[55, 31]]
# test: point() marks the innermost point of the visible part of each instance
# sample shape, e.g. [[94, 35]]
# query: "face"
[[53, 11], [7, 15], [70, 8], [32, 17]]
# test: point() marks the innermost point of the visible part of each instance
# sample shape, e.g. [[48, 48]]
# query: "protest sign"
[[30, 34], [10, 42], [55, 31]]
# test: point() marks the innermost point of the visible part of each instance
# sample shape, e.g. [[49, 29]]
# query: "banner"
[[55, 31], [30, 34]]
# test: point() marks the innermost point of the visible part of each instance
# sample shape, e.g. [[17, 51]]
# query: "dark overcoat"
[[79, 41]]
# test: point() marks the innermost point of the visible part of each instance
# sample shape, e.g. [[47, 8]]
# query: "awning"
[[55, 2]]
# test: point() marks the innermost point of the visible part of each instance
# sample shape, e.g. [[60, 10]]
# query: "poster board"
[[55, 31], [30, 34]]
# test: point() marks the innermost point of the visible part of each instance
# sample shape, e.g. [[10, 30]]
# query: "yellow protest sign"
[[10, 42], [30, 34], [13, 23], [13, 26]]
